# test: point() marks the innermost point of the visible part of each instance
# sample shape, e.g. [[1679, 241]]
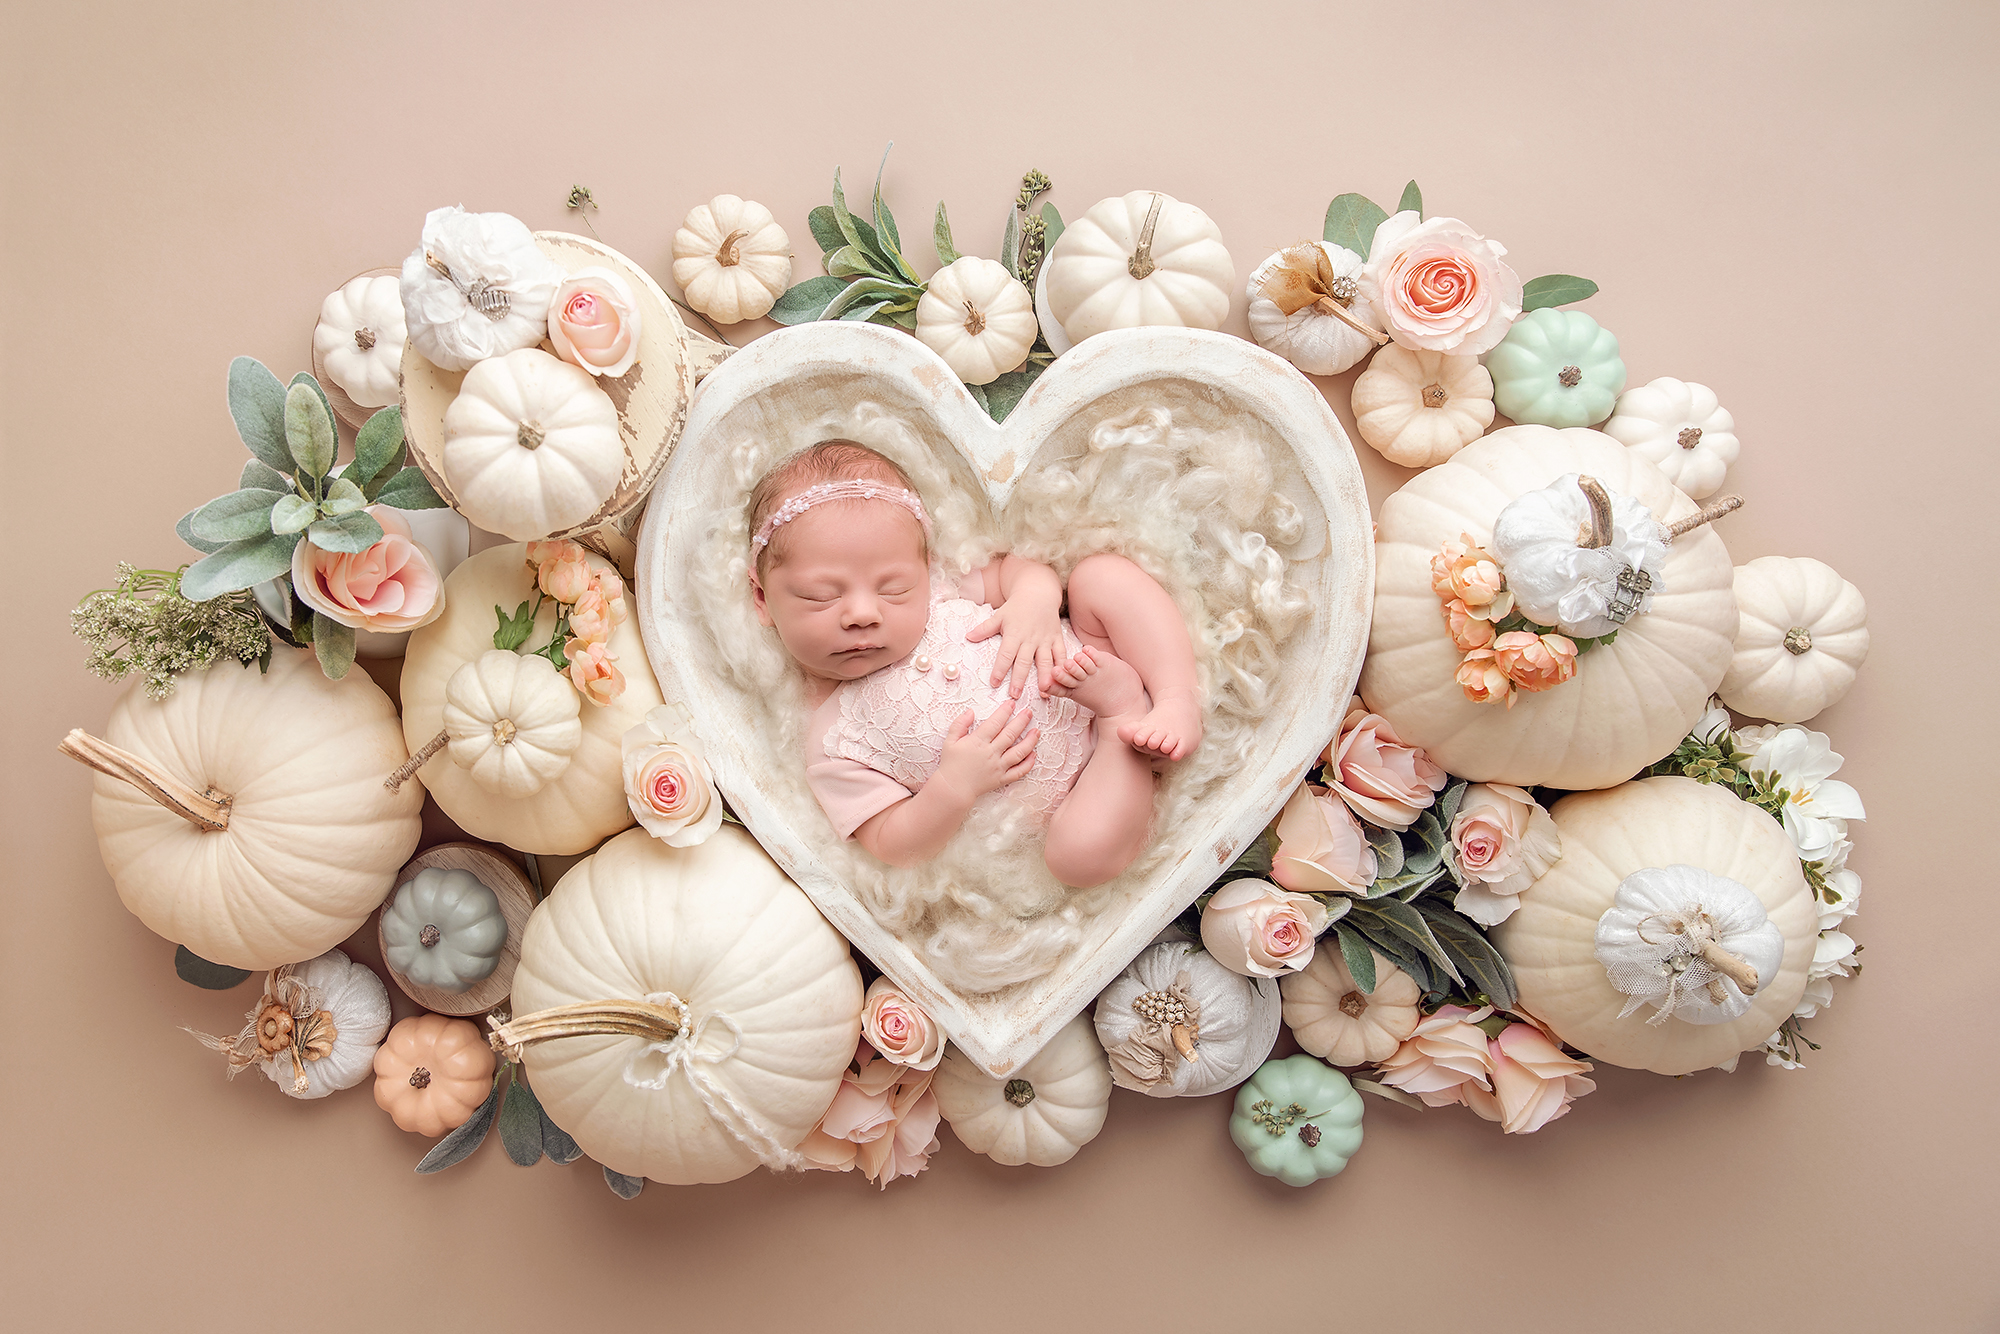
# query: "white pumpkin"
[[358, 1006], [1630, 702], [1320, 338], [732, 259], [531, 445], [1681, 429], [978, 317], [1693, 945], [1802, 637], [359, 339], [773, 1003], [476, 287], [512, 720], [1142, 259], [288, 767], [1566, 550], [1177, 1024], [1419, 408], [586, 802], [1335, 1020], [1040, 1114], [1551, 942]]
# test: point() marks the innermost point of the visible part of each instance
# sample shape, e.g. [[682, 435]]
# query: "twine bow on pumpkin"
[[1692, 961], [1303, 278], [289, 1021], [1168, 1032]]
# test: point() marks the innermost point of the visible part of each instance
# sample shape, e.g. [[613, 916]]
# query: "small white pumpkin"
[[1177, 1024], [1419, 408], [1680, 428], [1320, 337], [732, 259], [512, 720], [1042, 1113], [1142, 259], [476, 287], [773, 1007], [1692, 944], [443, 928], [978, 317], [531, 445], [1802, 637], [1335, 1020], [357, 1004], [1565, 548], [359, 339]]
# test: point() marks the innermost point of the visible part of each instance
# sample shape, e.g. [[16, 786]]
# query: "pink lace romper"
[[877, 740]]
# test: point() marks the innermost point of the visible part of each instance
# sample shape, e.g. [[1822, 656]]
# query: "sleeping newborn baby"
[[929, 693]]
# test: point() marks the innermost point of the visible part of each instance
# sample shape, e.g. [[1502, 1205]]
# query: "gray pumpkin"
[[443, 929]]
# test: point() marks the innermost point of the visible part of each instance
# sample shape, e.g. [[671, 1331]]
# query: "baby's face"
[[851, 593]]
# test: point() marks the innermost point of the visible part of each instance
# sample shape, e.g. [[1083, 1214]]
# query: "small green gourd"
[[443, 929], [1557, 368], [1298, 1120]]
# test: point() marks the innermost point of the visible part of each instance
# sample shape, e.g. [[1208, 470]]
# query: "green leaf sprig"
[[526, 1132], [866, 276], [515, 630], [1351, 221]]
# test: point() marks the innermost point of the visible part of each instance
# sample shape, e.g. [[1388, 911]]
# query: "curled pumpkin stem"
[[608, 1018], [207, 810], [1599, 532]]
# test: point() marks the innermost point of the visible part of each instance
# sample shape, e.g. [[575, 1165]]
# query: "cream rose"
[[1444, 1058], [1533, 1082], [392, 586], [899, 1028], [1501, 843], [883, 1120], [1321, 846], [1254, 928], [1439, 285], [1382, 780], [594, 322], [667, 783]]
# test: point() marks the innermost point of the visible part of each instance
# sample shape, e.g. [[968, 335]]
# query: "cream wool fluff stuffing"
[[1188, 496]]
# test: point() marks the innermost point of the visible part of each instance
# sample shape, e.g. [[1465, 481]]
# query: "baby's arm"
[[1029, 621], [977, 760]]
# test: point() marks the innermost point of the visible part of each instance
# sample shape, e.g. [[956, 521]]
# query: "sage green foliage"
[[526, 1132], [199, 972], [514, 630], [1351, 221], [1555, 289], [624, 1187], [1412, 200], [286, 492], [144, 624]]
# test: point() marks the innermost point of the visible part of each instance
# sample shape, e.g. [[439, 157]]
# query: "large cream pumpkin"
[[772, 997], [585, 802], [311, 839], [1551, 941], [1630, 702]]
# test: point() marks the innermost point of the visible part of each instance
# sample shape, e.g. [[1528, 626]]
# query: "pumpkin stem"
[[1689, 437], [1435, 396], [1019, 1091], [1327, 306], [207, 810], [1798, 640], [394, 782], [364, 338], [1141, 264], [975, 323], [1599, 532], [731, 251], [616, 1018], [1709, 514], [530, 435], [1732, 966]]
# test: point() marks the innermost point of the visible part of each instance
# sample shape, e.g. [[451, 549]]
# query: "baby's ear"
[[757, 599]]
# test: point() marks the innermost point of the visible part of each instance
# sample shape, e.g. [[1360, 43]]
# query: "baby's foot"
[[1104, 683], [1171, 729]]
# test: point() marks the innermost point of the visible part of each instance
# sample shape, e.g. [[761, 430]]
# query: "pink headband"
[[848, 490]]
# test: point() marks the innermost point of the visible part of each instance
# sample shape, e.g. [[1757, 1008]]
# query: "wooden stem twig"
[[394, 782], [621, 1018], [207, 810], [1709, 513]]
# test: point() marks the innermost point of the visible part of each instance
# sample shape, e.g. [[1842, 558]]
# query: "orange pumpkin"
[[431, 1073]]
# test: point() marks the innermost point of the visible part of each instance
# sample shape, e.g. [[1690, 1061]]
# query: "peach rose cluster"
[[1519, 1077], [667, 783], [595, 598], [883, 1120], [1473, 589], [1501, 842], [392, 586], [1254, 928], [1382, 780], [1440, 286], [594, 322]]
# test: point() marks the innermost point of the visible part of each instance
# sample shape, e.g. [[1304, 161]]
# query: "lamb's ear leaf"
[[888, 240], [978, 393], [1360, 960], [941, 238], [238, 565], [456, 1147], [1412, 200], [257, 477], [409, 489], [334, 644], [375, 446], [1475, 955], [802, 303], [1555, 289], [1010, 242], [354, 531], [309, 430], [1447, 802], [184, 530], [257, 405], [556, 1142], [307, 378], [521, 1121], [624, 1187], [825, 230], [1388, 845], [1351, 221], [236, 517], [197, 971], [1005, 392]]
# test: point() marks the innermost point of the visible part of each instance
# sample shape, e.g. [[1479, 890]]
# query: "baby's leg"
[[1101, 825], [1116, 605]]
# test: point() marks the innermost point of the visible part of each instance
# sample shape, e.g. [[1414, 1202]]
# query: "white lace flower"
[[1818, 995], [1832, 956], [1802, 764]]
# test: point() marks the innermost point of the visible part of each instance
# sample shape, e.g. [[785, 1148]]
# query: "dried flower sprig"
[[143, 624]]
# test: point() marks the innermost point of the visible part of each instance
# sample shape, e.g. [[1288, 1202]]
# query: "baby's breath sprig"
[[143, 624]]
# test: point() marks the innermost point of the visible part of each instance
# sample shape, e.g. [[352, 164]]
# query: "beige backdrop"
[[1794, 206]]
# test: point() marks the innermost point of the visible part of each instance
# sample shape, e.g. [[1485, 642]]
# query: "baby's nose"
[[859, 610]]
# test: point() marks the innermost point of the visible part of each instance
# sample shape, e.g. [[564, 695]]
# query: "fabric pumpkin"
[[1334, 1019], [1142, 259], [1042, 1113], [531, 445], [432, 1073], [1320, 337], [478, 286], [1419, 408], [1556, 579], [512, 720], [1681, 429], [979, 318], [359, 339], [732, 259], [1802, 638], [1297, 1121], [1557, 368], [444, 929], [1177, 1024]]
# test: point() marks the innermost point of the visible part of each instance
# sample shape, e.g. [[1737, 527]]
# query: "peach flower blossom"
[[1439, 285], [593, 670], [883, 1120], [594, 322], [1501, 842], [392, 586], [1467, 631], [1533, 1082], [899, 1028], [1322, 848], [1482, 679], [600, 610], [1535, 662], [1446, 1053], [565, 574], [1384, 781], [1468, 572], [1254, 928], [667, 783]]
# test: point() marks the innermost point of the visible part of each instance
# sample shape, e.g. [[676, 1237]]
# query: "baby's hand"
[[1031, 640], [983, 759]]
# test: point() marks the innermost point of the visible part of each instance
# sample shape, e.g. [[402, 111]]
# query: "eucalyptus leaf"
[[456, 1147], [521, 1121], [1554, 289], [238, 565], [1412, 200], [1052, 228], [825, 230], [375, 446], [624, 1187], [1351, 221], [236, 517], [805, 302], [514, 630], [1388, 845], [257, 477], [1360, 960], [309, 430], [257, 405], [197, 971], [292, 514], [184, 529], [556, 1142], [409, 489], [333, 643], [941, 238], [343, 497], [351, 532]]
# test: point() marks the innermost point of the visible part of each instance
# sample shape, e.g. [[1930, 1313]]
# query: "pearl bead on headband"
[[848, 490]]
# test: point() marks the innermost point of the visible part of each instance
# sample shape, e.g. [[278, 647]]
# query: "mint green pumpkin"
[[443, 929], [1298, 1120], [1557, 368]]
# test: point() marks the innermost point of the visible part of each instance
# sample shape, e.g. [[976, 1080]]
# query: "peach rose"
[[1322, 848], [1447, 1054], [1466, 571], [1381, 779], [667, 784], [1501, 843], [593, 670], [1467, 631], [883, 1119], [1533, 1082], [600, 609], [899, 1028], [562, 569], [1254, 928], [1535, 662], [1439, 285], [1482, 680], [392, 586], [594, 322]]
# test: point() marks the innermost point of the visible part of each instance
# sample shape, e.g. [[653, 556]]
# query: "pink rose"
[[593, 670], [1383, 780], [1443, 1057], [562, 569], [600, 609], [883, 1119], [1439, 285], [1321, 846], [1535, 662], [1482, 679], [594, 322], [392, 586], [1533, 1082], [1254, 928], [1467, 631], [898, 1027], [1501, 843], [667, 784]]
